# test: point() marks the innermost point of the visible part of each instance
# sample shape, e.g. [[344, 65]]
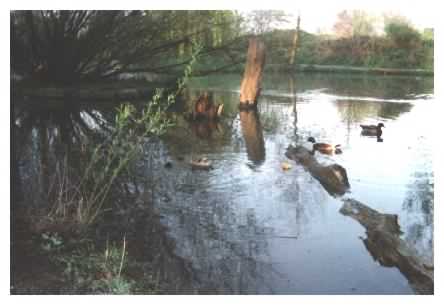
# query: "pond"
[[249, 227]]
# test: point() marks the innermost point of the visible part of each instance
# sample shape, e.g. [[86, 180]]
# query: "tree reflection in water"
[[254, 139], [419, 207], [49, 133]]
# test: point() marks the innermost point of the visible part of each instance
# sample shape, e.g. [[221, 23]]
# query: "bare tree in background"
[[261, 21]]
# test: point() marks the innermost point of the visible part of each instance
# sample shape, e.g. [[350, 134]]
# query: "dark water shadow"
[[253, 136], [54, 138]]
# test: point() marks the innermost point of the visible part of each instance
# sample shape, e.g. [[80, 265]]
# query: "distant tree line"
[[355, 41], [74, 46]]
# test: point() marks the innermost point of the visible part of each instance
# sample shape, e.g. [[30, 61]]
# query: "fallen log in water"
[[386, 247], [332, 177]]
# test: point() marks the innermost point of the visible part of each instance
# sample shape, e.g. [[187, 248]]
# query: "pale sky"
[[322, 14], [314, 13]]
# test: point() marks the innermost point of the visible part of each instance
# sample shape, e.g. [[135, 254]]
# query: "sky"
[[315, 14], [321, 15]]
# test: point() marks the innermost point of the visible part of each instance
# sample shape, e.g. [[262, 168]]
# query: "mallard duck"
[[372, 130], [324, 147], [201, 163]]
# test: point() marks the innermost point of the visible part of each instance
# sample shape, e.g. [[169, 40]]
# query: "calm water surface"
[[250, 227], [247, 226]]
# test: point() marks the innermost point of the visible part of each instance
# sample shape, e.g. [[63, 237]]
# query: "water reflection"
[[205, 129], [359, 111], [48, 134], [252, 132], [419, 205], [385, 246], [264, 231]]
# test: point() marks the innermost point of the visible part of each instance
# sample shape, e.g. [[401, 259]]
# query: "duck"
[[201, 163], [372, 130], [324, 147]]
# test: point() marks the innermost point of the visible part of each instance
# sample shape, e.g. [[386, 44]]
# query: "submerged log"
[[204, 108], [386, 247], [332, 177], [251, 82]]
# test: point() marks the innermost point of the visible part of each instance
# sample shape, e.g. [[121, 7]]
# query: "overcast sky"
[[317, 14]]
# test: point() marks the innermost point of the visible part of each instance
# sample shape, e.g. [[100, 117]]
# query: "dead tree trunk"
[[251, 82], [295, 42]]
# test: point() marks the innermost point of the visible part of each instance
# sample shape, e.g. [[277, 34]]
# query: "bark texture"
[[251, 82], [385, 245]]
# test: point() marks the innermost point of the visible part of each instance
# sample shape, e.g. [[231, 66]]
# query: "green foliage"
[[428, 34], [365, 51], [89, 270], [71, 46], [51, 242], [84, 201], [402, 35]]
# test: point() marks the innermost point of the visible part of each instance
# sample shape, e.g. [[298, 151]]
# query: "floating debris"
[[286, 166]]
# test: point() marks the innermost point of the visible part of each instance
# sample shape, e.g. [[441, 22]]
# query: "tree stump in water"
[[204, 108], [251, 82], [332, 177], [386, 247]]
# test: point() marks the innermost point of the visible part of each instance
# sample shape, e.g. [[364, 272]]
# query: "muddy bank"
[[115, 90], [349, 69], [97, 94], [150, 266]]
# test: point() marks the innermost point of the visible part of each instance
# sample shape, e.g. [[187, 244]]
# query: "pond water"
[[249, 227]]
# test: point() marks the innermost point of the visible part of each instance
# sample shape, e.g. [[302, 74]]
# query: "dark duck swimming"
[[372, 130]]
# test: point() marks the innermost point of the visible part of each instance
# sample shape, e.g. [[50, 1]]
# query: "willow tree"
[[70, 46]]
